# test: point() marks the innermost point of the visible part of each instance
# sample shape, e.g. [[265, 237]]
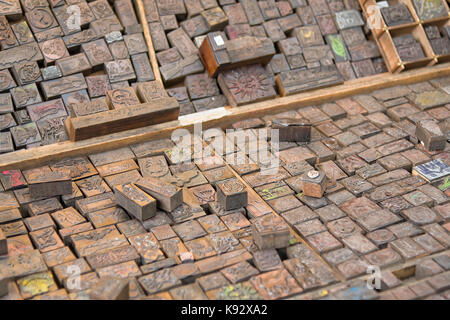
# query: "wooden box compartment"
[[441, 25], [383, 35]]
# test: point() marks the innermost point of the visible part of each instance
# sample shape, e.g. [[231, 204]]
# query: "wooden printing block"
[[177, 71], [7, 121], [270, 232], [6, 143], [25, 52], [22, 32], [142, 67], [50, 184], [296, 81], [169, 23], [87, 108], [98, 85], [238, 31], [122, 98], [27, 72], [213, 52], [249, 50], [348, 19], [3, 244], [396, 15], [430, 134], [215, 18], [430, 9], [135, 201], [441, 46], [293, 130], [201, 86], [120, 70], [97, 52], [161, 110], [25, 134], [314, 183], [168, 56], [168, 196], [110, 288], [232, 194], [6, 80], [152, 90], [235, 85], [58, 87], [125, 11], [180, 40]]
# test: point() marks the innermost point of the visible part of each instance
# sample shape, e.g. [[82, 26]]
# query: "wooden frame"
[[384, 34]]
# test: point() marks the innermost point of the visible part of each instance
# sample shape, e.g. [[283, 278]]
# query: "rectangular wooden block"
[[169, 197], [159, 111], [270, 232], [232, 194], [50, 184], [296, 81], [430, 134], [135, 201], [292, 130]]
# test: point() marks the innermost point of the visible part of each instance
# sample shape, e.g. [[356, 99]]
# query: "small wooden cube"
[[232, 194], [314, 183], [3, 244], [168, 196], [293, 130], [50, 184], [270, 232], [109, 288], [135, 201], [430, 134]]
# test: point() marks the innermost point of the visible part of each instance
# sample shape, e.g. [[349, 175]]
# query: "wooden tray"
[[383, 36]]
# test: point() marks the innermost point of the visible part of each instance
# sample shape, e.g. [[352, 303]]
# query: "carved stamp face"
[[248, 84], [54, 49]]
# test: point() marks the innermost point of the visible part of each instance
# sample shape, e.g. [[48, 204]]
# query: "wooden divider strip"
[[29, 158]]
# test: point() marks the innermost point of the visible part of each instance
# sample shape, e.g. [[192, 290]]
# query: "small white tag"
[[219, 40]]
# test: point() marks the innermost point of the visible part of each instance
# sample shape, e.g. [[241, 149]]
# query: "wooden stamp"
[[58, 87], [314, 184], [97, 52], [397, 15], [168, 197], [123, 119], [296, 81], [122, 98], [177, 71], [49, 184], [232, 194], [270, 232], [135, 201], [142, 67], [120, 70], [180, 39], [27, 72], [293, 130], [235, 85], [430, 134], [215, 18]]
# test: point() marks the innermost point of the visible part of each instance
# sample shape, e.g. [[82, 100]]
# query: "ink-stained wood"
[[35, 157], [162, 110]]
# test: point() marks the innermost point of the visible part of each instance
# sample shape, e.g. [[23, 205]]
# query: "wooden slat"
[[148, 39], [38, 156]]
